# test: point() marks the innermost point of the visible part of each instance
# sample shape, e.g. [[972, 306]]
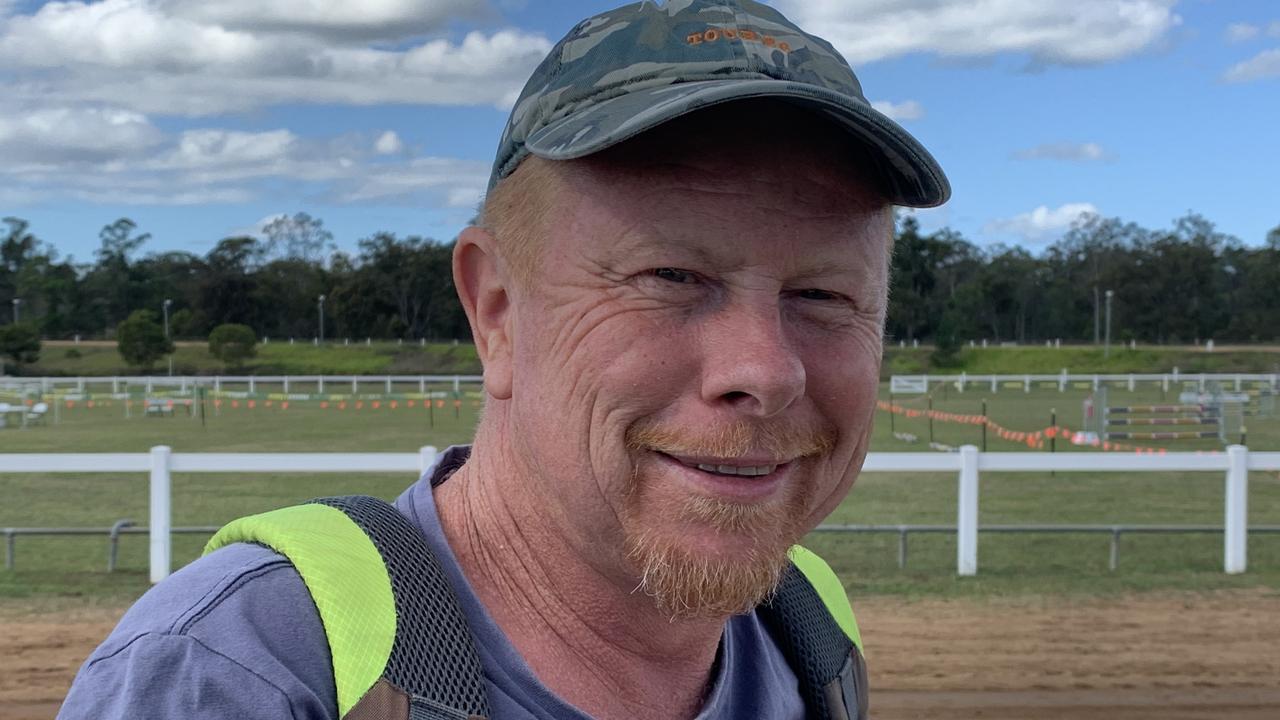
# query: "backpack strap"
[[810, 619], [400, 645]]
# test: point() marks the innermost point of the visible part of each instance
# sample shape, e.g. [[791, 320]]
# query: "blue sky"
[[201, 119]]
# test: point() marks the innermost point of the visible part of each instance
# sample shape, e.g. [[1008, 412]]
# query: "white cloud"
[[908, 110], [116, 156], [444, 180], [1265, 64], [331, 19], [1070, 32], [70, 134], [1041, 224], [1240, 32], [197, 58], [388, 143], [1077, 152], [1273, 29]]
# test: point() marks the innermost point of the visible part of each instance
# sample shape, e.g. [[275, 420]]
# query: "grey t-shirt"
[[236, 635]]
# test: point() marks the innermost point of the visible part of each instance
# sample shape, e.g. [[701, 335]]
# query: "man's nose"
[[749, 360]]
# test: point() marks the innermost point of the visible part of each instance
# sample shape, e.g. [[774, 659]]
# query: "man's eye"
[[674, 275], [815, 294]]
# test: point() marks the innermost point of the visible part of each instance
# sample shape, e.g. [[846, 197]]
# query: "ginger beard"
[[686, 583]]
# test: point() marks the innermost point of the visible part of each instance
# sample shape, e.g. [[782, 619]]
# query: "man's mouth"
[[732, 468]]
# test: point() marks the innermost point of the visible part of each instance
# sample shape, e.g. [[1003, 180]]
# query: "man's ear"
[[482, 288]]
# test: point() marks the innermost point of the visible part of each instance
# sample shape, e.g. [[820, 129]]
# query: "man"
[[677, 289]]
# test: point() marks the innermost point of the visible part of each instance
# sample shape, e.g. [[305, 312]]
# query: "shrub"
[[20, 342], [141, 341], [232, 343]]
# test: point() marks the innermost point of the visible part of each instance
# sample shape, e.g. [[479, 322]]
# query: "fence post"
[[426, 458], [1236, 527], [967, 513], [160, 513]]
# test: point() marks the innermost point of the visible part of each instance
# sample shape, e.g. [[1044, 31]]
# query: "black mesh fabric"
[[434, 657], [811, 640]]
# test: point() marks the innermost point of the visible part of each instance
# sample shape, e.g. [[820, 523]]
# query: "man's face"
[[695, 360]]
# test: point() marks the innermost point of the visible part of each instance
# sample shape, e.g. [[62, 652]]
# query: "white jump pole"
[[426, 459], [160, 513], [1236, 527], [967, 513]]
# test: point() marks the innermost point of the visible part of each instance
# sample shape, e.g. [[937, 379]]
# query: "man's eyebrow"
[[647, 243]]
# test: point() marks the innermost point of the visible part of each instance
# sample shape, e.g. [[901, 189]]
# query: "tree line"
[[391, 287], [1182, 284], [1188, 283]]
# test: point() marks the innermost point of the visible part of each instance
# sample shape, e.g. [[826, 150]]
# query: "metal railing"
[[126, 527], [186, 383], [113, 533], [903, 531], [968, 463], [1237, 381]]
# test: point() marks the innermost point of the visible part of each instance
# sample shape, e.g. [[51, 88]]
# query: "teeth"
[[749, 471]]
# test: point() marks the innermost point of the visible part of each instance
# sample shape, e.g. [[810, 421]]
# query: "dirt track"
[[1173, 658]]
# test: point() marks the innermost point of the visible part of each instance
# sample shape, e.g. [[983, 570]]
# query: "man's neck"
[[601, 647]]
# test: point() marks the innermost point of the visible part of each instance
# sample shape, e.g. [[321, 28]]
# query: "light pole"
[[320, 307], [165, 306], [16, 303], [1095, 315], [1106, 353]]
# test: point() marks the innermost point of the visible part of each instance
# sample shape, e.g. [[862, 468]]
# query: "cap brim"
[[913, 178]]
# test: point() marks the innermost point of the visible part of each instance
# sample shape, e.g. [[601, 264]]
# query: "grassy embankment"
[[281, 358], [275, 358]]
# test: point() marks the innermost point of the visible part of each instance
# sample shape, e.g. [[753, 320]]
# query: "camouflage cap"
[[629, 70]]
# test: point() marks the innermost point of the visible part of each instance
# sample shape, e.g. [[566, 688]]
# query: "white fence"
[[186, 383], [968, 464], [914, 383]]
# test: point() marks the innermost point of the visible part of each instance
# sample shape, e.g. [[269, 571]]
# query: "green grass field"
[[57, 569]]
